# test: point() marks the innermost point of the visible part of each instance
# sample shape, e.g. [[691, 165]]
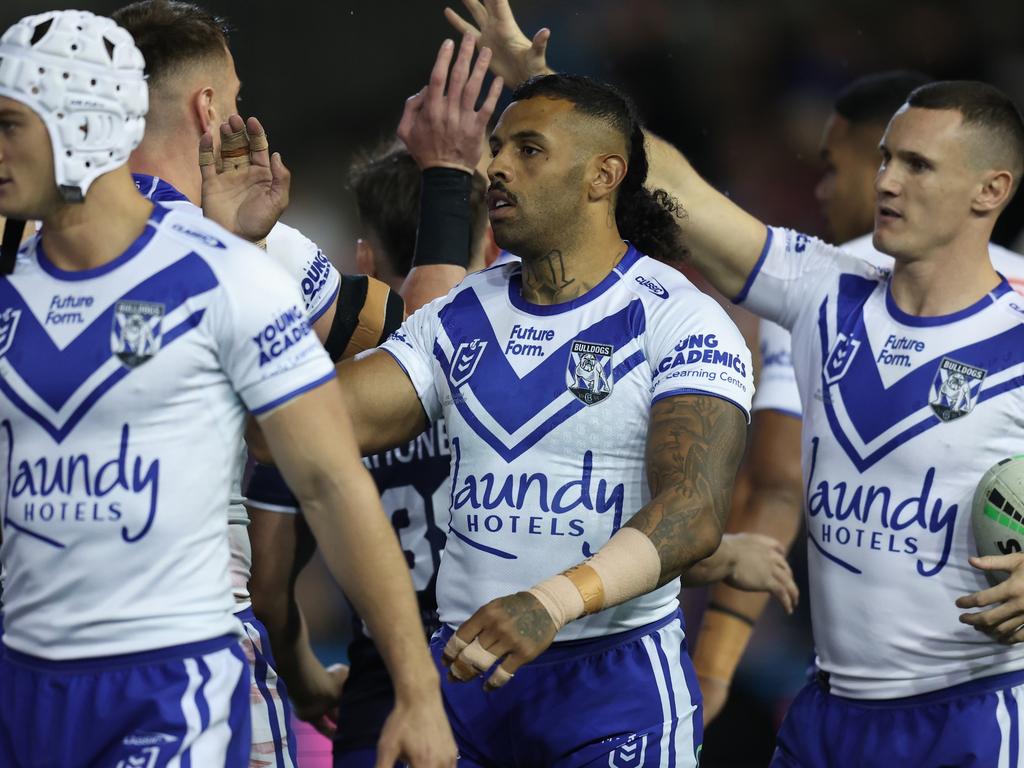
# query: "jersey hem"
[[293, 394]]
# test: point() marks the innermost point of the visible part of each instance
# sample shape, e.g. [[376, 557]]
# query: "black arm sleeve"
[[445, 229]]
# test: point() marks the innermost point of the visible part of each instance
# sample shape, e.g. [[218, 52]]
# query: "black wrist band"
[[444, 232], [713, 606]]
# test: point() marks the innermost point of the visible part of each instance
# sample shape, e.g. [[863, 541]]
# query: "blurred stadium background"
[[742, 86]]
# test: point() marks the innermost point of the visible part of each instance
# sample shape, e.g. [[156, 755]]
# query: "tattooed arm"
[[694, 446]]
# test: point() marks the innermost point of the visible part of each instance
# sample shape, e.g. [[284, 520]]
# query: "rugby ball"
[[997, 513]]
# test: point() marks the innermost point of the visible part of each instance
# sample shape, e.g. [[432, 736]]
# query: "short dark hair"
[[648, 219], [983, 106], [387, 183], [171, 34], [875, 98]]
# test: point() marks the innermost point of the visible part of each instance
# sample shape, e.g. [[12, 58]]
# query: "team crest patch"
[[8, 325], [467, 358], [588, 374], [955, 389], [839, 359], [135, 334], [630, 753]]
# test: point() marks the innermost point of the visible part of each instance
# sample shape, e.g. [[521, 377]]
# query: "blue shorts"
[[629, 699], [973, 724], [273, 740], [186, 705]]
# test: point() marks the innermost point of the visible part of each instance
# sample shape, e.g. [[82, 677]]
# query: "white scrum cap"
[[83, 75]]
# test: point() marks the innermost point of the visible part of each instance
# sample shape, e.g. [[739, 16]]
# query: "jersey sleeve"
[[412, 346], [268, 490], [793, 273], [264, 341], [776, 388], [696, 349], [309, 268]]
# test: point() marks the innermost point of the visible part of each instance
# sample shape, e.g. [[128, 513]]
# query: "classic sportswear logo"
[[652, 285], [206, 239]]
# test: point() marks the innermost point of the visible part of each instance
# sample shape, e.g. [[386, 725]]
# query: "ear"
[[994, 193], [607, 174], [204, 112], [366, 263]]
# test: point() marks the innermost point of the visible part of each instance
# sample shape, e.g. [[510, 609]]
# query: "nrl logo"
[[629, 754], [135, 331], [8, 325], [467, 358], [955, 389], [839, 359], [588, 374]]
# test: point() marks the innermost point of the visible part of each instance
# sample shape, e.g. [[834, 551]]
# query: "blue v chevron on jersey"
[[547, 410], [902, 417], [123, 394], [119, 333]]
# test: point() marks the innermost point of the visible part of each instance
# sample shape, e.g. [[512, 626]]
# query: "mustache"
[[499, 187]]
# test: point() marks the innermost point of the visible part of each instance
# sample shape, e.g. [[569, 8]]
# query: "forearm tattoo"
[[694, 447]]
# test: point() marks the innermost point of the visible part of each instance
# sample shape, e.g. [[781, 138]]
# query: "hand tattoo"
[[532, 620]]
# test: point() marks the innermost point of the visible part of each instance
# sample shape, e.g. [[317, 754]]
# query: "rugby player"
[[890, 462], [846, 194], [132, 352], [194, 87]]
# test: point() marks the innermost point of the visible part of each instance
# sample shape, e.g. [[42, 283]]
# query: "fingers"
[[997, 562], [387, 753], [539, 45], [259, 148], [413, 107], [461, 26], [471, 91], [472, 661], [281, 179], [985, 621], [438, 77], [460, 72], [996, 594], [504, 672], [207, 160], [487, 108], [477, 11], [234, 144]]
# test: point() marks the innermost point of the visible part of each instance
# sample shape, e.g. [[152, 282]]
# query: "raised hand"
[[247, 190], [516, 57], [442, 128], [512, 630]]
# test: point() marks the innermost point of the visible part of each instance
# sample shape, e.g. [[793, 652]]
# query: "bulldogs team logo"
[[135, 334], [588, 374], [630, 753], [8, 325], [955, 389], [839, 359], [467, 358]]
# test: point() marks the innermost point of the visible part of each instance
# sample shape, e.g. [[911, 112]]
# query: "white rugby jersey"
[[903, 415], [319, 281], [777, 388], [547, 410], [123, 393]]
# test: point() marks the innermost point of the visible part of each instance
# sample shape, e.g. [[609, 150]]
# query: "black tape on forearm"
[[365, 315], [445, 229]]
